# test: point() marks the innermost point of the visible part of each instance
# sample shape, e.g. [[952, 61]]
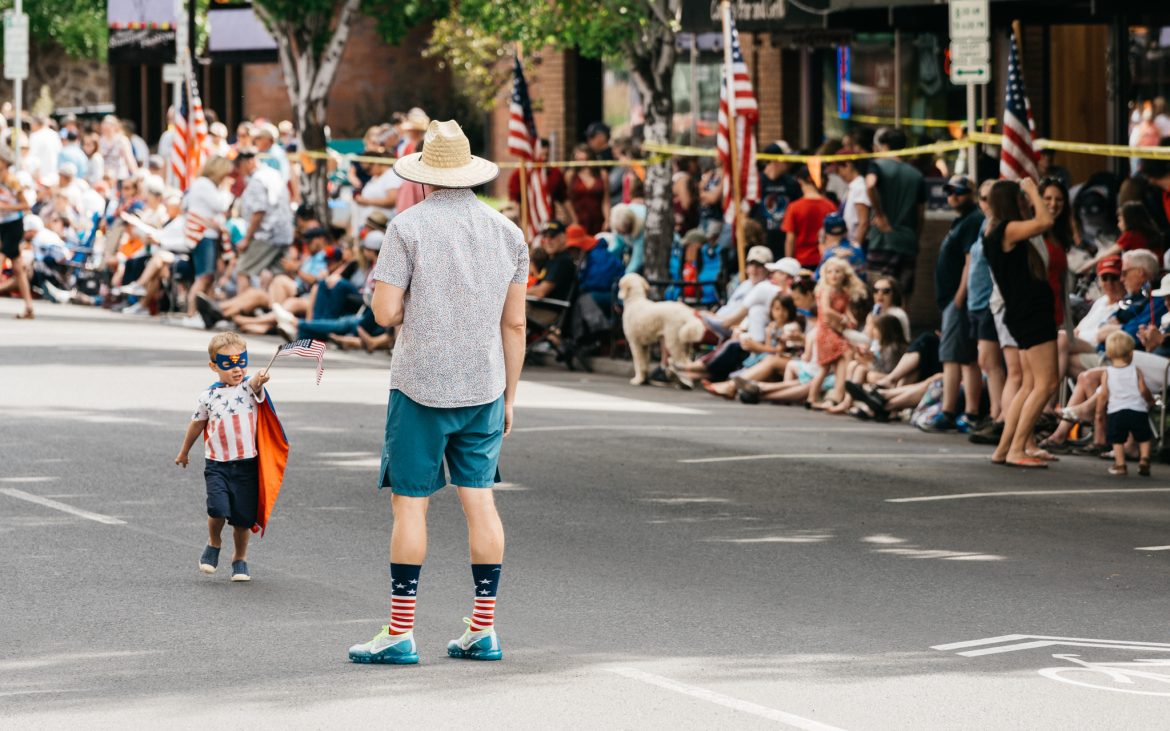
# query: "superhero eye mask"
[[228, 362]]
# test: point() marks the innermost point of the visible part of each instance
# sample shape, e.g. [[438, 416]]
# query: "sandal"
[[26, 315], [1055, 447], [1028, 463], [709, 387], [1144, 468], [1119, 470]]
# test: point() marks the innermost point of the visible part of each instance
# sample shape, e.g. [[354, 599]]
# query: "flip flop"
[[1029, 463], [1043, 454], [26, 315]]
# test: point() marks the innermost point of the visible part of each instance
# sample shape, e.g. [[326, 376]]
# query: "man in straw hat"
[[452, 274]]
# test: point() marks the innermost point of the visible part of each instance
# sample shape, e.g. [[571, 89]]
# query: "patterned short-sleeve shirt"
[[230, 413], [456, 258]]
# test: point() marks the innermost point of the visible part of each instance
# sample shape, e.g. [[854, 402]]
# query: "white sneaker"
[[56, 294], [134, 289], [195, 322], [137, 310]]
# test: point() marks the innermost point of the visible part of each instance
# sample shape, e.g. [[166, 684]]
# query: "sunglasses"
[[882, 290], [1110, 278]]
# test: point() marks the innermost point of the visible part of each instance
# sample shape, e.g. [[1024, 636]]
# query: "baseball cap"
[[373, 240], [1109, 265], [779, 147], [835, 224], [788, 265], [553, 228], [1164, 290], [694, 236], [759, 255], [33, 222], [958, 185]]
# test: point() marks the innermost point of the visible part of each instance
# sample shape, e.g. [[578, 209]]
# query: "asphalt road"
[[673, 561]]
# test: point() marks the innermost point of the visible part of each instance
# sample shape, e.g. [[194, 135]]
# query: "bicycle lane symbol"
[[1139, 676]]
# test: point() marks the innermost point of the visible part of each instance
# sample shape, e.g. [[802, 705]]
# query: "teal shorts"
[[419, 438]]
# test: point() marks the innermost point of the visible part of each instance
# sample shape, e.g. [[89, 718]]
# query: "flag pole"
[[729, 80], [522, 170], [278, 347]]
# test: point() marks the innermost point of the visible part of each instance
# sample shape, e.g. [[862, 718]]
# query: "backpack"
[[673, 292], [600, 270], [710, 268]]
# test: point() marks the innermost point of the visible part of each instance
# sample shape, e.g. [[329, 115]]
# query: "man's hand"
[[181, 460], [1151, 337], [507, 419], [257, 382], [881, 223]]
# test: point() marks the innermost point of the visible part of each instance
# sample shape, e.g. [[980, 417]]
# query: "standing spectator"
[[897, 193], [982, 326], [412, 128], [597, 138], [267, 213], [72, 153], [855, 209], [1021, 275], [270, 153], [137, 144], [958, 352], [13, 205], [588, 193], [114, 146], [803, 221], [206, 205], [685, 202], [44, 147], [777, 189]]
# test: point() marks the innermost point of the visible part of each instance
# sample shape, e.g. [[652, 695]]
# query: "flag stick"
[[265, 371], [729, 76]]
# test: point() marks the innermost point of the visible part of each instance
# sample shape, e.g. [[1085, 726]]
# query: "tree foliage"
[[597, 29], [77, 26], [473, 56], [315, 18]]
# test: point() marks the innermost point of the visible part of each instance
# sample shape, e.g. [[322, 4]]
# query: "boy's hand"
[[181, 460], [259, 380]]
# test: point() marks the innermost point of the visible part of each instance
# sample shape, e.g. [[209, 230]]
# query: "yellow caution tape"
[[1082, 148], [912, 121], [933, 148]]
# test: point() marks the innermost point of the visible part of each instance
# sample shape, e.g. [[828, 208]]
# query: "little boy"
[[834, 243], [1125, 395], [226, 417]]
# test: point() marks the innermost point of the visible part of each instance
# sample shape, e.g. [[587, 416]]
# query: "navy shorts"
[[1120, 424], [204, 256], [419, 438], [983, 325], [233, 490]]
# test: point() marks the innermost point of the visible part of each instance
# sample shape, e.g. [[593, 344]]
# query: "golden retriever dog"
[[646, 322]]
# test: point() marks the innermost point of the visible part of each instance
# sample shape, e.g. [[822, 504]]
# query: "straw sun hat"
[[446, 160]]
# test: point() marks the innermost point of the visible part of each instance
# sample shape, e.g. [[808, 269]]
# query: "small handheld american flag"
[[306, 349]]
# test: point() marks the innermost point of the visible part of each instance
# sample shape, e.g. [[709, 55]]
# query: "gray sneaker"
[[240, 571], [209, 560]]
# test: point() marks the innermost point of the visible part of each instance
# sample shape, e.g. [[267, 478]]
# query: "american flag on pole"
[[190, 137], [306, 348], [746, 112], [522, 142], [1017, 157]]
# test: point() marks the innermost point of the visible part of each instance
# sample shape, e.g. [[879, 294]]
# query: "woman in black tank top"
[[1020, 274]]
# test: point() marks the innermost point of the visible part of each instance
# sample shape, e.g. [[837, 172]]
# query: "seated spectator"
[[835, 245], [557, 280], [783, 337]]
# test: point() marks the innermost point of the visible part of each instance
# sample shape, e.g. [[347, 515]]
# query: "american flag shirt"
[[230, 412]]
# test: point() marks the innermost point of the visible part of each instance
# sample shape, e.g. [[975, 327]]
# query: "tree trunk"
[[652, 63], [314, 182]]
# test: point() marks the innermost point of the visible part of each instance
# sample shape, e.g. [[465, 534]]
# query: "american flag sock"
[[487, 581], [403, 593]]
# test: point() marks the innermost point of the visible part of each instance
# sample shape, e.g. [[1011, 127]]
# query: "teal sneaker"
[[386, 649], [482, 645]]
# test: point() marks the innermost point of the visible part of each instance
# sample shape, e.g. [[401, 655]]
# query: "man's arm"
[[961, 294], [862, 222], [512, 329], [877, 215], [388, 304], [253, 227], [194, 429], [789, 244]]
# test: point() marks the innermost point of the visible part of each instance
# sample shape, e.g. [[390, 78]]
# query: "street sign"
[[970, 19], [970, 49], [172, 73], [15, 46]]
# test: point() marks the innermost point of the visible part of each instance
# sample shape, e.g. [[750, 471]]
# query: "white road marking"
[[704, 429], [727, 701], [96, 517], [1153, 548], [27, 479], [881, 456], [1038, 641], [1022, 493], [685, 500]]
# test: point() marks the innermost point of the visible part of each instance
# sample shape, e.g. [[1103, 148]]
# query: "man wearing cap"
[[452, 275], [267, 213], [556, 279], [1084, 345], [957, 349]]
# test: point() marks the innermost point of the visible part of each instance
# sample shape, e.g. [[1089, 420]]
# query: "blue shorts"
[[233, 490], [204, 256], [418, 438]]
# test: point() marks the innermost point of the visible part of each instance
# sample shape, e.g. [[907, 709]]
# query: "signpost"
[[970, 57], [16, 65]]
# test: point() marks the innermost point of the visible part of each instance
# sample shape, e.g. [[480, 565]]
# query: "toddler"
[[1125, 395]]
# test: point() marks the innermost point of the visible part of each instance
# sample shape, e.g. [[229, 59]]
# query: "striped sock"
[[487, 581], [403, 593]]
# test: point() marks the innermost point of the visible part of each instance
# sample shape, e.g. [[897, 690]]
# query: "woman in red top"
[[803, 221], [1138, 231], [588, 202]]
